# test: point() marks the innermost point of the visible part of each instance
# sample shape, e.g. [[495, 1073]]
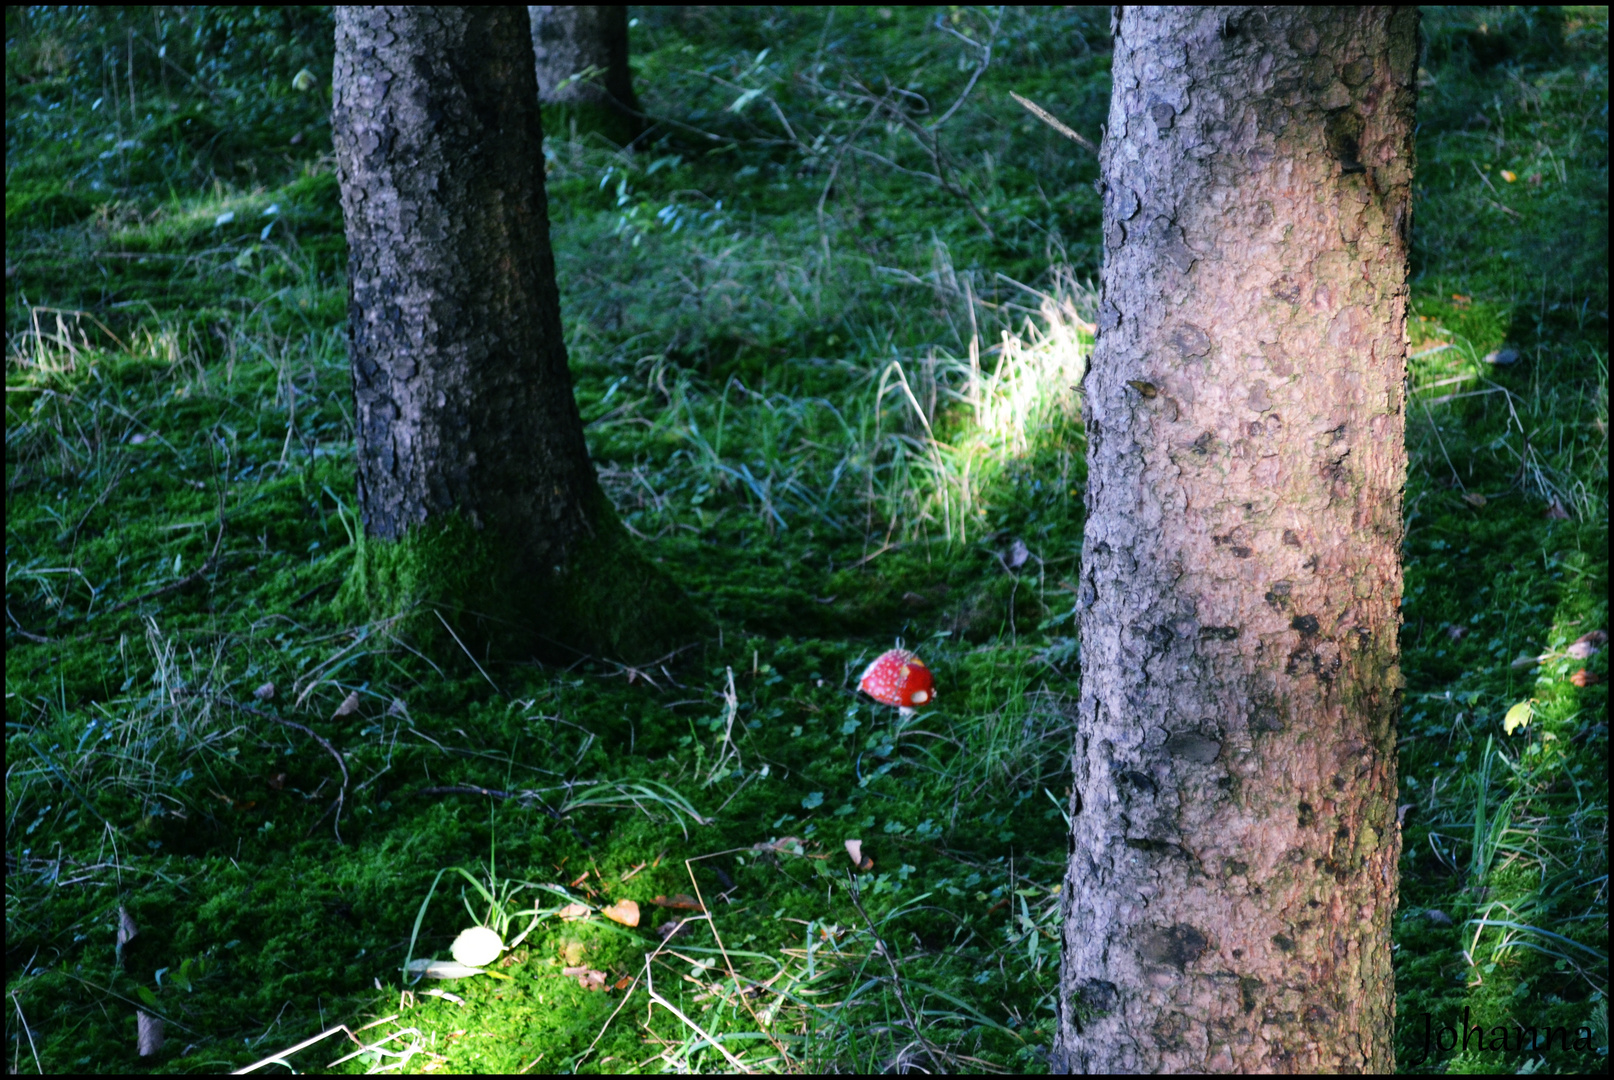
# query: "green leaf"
[[813, 801], [1517, 717]]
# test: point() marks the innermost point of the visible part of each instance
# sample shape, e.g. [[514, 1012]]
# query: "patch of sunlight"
[[966, 418]]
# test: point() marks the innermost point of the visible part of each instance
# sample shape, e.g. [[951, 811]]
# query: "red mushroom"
[[899, 678]]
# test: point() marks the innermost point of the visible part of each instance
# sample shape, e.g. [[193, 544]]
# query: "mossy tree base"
[[608, 600]]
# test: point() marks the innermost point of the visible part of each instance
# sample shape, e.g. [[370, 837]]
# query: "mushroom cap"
[[477, 946], [898, 677]]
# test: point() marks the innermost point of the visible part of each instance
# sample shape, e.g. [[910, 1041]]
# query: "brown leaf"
[[680, 902], [854, 848], [586, 977], [277, 781], [622, 983], [266, 692], [1584, 678], [625, 912], [148, 1032], [1587, 645], [1475, 499], [1556, 511], [349, 706], [573, 911], [127, 930]]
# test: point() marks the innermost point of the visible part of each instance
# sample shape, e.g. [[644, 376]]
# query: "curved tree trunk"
[[1235, 843], [469, 438], [582, 63]]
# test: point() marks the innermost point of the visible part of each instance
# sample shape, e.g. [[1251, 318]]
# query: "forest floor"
[[824, 324]]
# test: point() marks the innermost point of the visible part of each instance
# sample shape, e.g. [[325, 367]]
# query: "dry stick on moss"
[[311, 733], [40, 639], [896, 979], [72, 535], [722, 949]]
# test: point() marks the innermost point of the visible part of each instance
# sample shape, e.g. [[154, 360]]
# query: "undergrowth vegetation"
[[825, 322]]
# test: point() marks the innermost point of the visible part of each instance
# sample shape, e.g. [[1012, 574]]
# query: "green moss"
[[445, 575]]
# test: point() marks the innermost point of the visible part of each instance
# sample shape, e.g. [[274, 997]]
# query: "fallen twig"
[[1054, 122], [311, 733], [896, 979]]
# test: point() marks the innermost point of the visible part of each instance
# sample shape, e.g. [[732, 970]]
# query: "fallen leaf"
[[277, 781], [1556, 511], [586, 977], [625, 912], [1517, 717], [1436, 916], [573, 911], [680, 902], [1584, 678], [622, 983], [148, 1032], [1459, 300], [854, 848], [127, 930], [1588, 645], [1018, 554], [1475, 499], [1524, 660], [444, 969], [397, 708], [1509, 175], [349, 706], [265, 692]]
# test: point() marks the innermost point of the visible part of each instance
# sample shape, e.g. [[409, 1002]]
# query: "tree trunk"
[[474, 479], [582, 63], [1234, 840]]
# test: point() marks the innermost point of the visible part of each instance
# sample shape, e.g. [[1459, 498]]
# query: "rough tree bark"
[[569, 41], [1234, 841], [475, 485]]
